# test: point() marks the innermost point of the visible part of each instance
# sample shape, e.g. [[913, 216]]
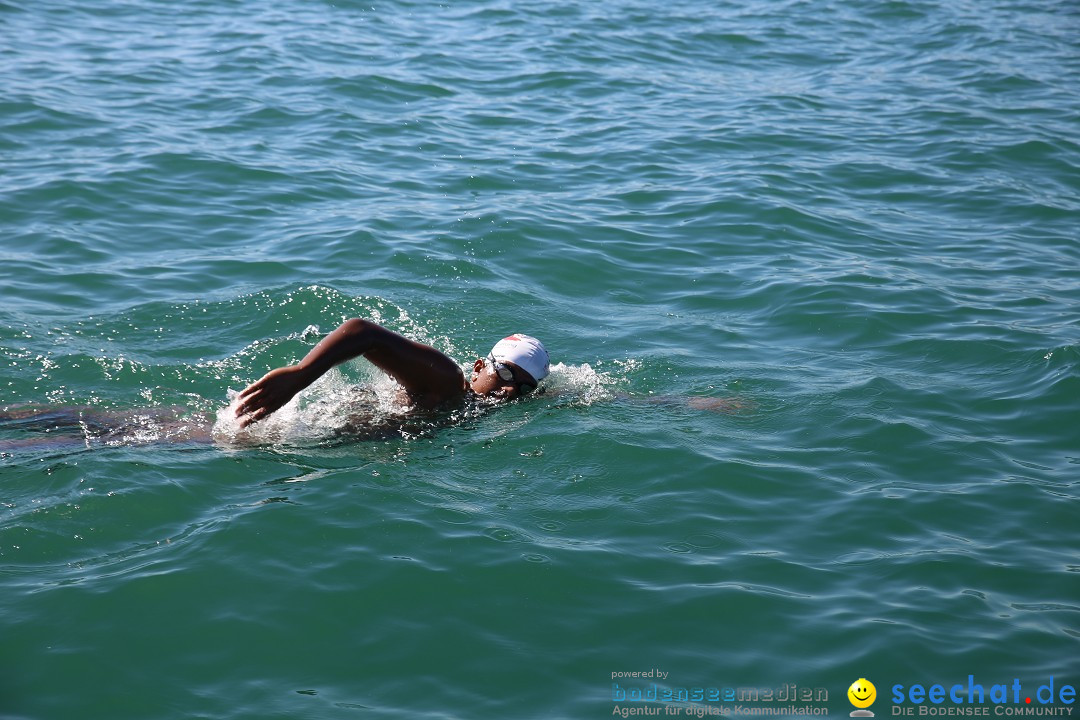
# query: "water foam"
[[582, 384], [331, 407]]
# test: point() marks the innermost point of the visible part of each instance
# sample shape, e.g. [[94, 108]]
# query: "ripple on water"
[[864, 248]]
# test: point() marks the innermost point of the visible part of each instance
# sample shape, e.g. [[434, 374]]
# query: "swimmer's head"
[[514, 367]]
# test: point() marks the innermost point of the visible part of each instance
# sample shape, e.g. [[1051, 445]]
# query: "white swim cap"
[[526, 352]]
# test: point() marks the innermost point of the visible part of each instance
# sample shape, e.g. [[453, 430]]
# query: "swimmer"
[[428, 378], [429, 381]]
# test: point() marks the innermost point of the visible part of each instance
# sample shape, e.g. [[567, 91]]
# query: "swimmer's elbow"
[[361, 335], [356, 326]]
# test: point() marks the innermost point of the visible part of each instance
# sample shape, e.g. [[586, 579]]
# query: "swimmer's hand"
[[270, 393]]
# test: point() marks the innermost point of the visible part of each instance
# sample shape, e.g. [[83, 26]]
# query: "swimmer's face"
[[862, 693], [485, 381]]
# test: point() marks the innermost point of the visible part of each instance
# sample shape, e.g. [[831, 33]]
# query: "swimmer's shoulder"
[[443, 395]]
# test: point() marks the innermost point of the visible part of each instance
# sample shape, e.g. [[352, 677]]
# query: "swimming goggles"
[[505, 372]]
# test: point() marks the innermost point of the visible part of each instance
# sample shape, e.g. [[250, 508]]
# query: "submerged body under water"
[[354, 413], [45, 428]]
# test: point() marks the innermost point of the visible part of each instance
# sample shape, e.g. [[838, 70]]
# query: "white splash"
[[325, 410], [581, 384]]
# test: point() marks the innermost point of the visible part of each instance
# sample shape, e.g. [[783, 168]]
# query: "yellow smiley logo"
[[862, 693]]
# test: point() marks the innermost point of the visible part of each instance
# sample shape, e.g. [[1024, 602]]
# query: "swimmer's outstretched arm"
[[728, 405], [430, 377]]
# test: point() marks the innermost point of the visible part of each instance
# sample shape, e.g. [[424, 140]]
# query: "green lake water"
[[856, 223]]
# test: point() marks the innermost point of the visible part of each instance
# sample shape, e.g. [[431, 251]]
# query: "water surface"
[[856, 219]]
